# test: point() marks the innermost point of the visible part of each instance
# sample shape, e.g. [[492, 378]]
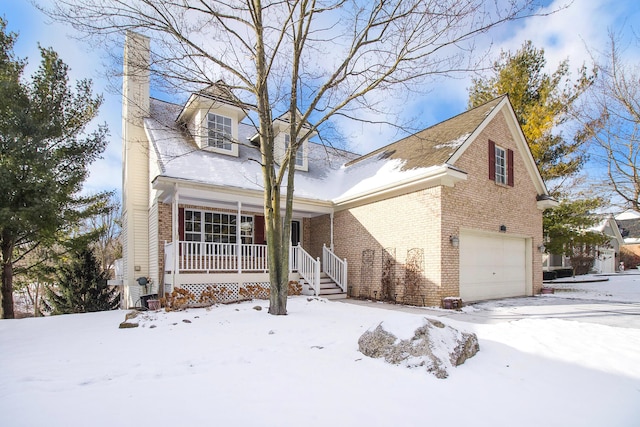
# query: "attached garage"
[[492, 266]]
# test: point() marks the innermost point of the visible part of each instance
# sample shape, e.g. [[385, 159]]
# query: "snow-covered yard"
[[233, 365]]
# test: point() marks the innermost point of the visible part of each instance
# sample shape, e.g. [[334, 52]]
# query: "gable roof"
[[217, 92], [436, 144], [608, 227], [421, 160], [444, 143]]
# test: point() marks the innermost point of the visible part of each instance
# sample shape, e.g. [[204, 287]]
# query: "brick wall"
[[403, 231], [319, 233], [409, 234], [481, 204]]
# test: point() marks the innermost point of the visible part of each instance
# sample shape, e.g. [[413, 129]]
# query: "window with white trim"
[[219, 131], [215, 227], [501, 166], [299, 153]]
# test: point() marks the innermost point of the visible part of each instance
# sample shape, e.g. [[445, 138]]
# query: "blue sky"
[[572, 33]]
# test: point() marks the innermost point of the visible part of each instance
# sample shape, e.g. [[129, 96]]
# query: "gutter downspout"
[[175, 236], [331, 232], [239, 237]]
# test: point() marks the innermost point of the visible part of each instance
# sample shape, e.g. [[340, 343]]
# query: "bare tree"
[[106, 226], [612, 116], [309, 59]]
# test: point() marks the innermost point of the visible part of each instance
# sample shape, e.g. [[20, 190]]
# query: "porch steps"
[[328, 288]]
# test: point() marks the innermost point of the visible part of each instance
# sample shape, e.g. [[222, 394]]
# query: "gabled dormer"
[[282, 130], [212, 116]]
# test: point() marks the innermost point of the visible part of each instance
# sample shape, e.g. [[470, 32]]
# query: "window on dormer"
[[219, 131], [299, 154]]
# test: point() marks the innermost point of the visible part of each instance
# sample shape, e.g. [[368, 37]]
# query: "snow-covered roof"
[[608, 227], [627, 215], [333, 175], [629, 224], [437, 144]]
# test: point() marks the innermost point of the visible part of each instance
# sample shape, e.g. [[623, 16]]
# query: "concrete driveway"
[[619, 314]]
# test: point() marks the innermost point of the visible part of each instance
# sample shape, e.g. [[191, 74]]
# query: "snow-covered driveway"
[[615, 302]]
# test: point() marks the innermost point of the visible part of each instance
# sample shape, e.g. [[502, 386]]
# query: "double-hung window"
[[214, 227], [219, 131], [501, 166], [299, 153]]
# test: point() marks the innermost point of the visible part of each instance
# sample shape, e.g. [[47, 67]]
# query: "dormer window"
[[220, 132], [211, 116], [299, 153]]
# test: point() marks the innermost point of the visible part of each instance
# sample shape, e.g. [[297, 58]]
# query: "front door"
[[296, 236]]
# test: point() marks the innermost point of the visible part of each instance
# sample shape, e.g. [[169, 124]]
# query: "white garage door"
[[491, 266]]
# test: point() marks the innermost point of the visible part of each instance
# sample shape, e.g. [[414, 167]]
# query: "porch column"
[[175, 237], [239, 237]]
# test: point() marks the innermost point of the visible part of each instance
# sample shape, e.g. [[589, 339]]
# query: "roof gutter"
[[444, 175]]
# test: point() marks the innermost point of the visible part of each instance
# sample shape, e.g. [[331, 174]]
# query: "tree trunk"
[[7, 281], [278, 255]]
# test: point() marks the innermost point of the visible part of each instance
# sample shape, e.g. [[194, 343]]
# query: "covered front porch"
[[196, 265], [217, 239]]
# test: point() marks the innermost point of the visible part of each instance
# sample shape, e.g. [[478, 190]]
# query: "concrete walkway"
[[619, 314]]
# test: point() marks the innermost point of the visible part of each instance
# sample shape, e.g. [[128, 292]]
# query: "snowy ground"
[[236, 366]]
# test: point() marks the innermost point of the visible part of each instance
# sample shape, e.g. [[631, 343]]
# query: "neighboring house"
[[606, 257], [629, 224], [452, 211]]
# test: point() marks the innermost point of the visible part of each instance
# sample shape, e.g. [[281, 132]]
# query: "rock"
[[434, 346], [130, 315], [257, 308], [186, 321], [127, 325]]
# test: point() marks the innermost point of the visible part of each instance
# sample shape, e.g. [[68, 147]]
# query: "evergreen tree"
[[44, 156], [81, 287], [541, 102]]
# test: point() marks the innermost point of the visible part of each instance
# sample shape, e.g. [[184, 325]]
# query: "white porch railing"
[[216, 257], [335, 267], [308, 268], [206, 257]]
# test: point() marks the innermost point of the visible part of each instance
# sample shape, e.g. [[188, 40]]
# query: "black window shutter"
[[492, 160], [510, 177]]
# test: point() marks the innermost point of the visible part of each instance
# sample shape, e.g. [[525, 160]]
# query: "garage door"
[[491, 266]]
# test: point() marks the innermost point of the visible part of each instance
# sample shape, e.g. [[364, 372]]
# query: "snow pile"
[[231, 365], [433, 346]]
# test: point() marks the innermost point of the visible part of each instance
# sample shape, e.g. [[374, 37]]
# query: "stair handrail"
[[335, 267], [308, 268]]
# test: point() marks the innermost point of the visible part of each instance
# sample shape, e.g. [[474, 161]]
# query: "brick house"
[[452, 211]]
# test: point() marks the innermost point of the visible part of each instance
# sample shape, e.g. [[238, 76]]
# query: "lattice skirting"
[[232, 291]]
